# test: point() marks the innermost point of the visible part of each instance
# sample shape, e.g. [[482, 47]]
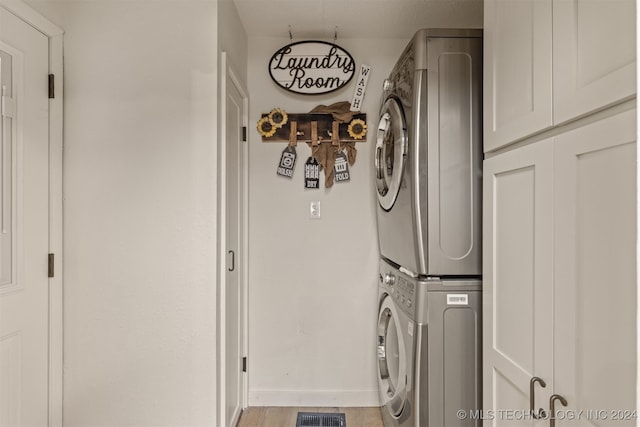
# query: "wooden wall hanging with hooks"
[[330, 130], [296, 128]]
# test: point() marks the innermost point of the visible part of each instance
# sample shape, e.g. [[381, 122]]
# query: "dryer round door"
[[391, 152], [392, 358]]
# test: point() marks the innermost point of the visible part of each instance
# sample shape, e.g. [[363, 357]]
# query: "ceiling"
[[322, 19]]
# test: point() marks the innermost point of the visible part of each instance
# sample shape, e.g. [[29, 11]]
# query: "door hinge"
[[52, 91], [244, 133], [244, 364], [51, 265]]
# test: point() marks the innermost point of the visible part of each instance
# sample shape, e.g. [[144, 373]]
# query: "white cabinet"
[[551, 61], [595, 267], [517, 69], [518, 276], [594, 55], [559, 272]]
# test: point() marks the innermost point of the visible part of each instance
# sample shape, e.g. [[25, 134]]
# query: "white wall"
[[140, 212], [312, 283]]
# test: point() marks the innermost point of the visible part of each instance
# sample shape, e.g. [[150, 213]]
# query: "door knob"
[[232, 265]]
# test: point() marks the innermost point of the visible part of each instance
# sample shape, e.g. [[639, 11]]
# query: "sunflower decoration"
[[278, 118], [357, 129], [265, 127]]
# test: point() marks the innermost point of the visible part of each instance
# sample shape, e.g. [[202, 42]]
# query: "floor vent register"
[[316, 419]]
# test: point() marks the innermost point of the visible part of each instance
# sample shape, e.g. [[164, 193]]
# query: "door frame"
[[227, 71], [56, 344]]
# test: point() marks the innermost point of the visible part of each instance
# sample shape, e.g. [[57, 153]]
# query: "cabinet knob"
[[532, 398], [552, 408]]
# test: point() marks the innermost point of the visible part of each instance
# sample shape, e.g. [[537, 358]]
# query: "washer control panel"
[[402, 290]]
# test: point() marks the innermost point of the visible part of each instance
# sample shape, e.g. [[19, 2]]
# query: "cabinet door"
[[594, 55], [517, 282], [517, 70], [595, 269]]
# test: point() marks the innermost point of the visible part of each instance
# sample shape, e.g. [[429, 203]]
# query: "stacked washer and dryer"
[[428, 165]]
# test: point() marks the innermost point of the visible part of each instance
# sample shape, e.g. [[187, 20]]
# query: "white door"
[[24, 226], [234, 236], [518, 280]]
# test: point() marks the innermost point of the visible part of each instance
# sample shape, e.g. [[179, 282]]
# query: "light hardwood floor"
[[286, 416]]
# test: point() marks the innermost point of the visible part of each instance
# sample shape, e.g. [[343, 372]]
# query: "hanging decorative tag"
[[312, 173], [287, 162], [341, 167]]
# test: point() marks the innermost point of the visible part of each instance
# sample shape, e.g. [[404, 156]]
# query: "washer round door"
[[392, 358], [391, 152]]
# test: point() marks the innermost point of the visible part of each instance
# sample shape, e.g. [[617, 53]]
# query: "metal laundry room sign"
[[311, 67]]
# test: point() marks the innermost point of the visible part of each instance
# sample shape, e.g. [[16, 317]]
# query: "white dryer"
[[428, 155], [429, 350]]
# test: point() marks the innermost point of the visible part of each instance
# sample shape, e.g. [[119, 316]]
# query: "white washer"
[[429, 350], [428, 155]]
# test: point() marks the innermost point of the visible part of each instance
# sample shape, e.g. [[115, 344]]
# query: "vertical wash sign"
[[361, 87]]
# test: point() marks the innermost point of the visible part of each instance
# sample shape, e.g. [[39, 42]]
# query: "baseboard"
[[314, 398]]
